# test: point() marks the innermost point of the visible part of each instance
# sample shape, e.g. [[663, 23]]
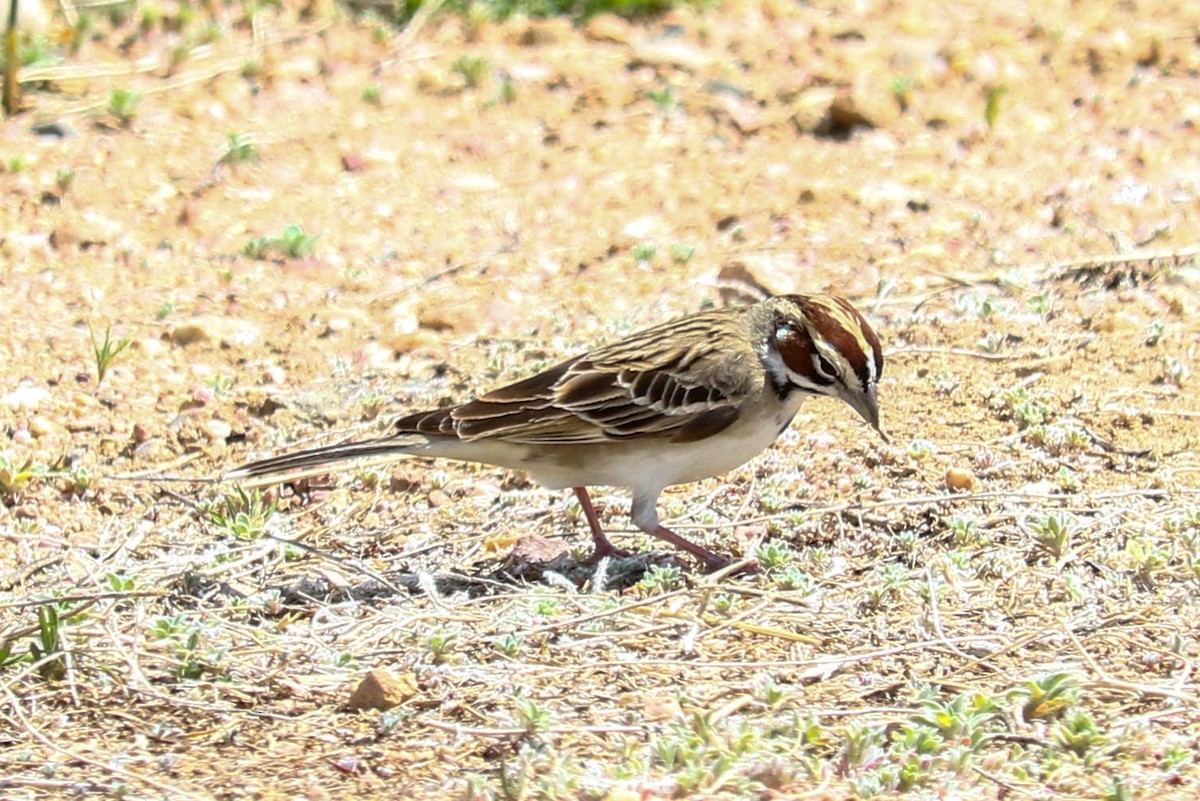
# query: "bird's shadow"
[[513, 573], [517, 571]]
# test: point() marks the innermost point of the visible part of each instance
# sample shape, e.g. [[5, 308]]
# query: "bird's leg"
[[645, 517], [603, 546]]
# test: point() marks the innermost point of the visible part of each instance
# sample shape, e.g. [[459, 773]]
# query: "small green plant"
[[219, 384], [1147, 557], [1046, 697], [14, 478], [796, 580], [106, 351], [901, 90], [1078, 733], [259, 248], [1026, 409], [472, 69], [64, 179], [194, 656], [1052, 535], [509, 645], [47, 650], [775, 554], [1174, 371], [963, 530], [239, 149], [664, 98], [243, 515], [1041, 303], [723, 603], [293, 244], [372, 94], [440, 644], [547, 607], [164, 311], [659, 579], [769, 692], [119, 583], [79, 480], [991, 111], [123, 104], [681, 253], [531, 716], [993, 342], [507, 93], [644, 252], [963, 717]]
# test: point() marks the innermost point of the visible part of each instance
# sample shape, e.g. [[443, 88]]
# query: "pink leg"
[[711, 560], [603, 546]]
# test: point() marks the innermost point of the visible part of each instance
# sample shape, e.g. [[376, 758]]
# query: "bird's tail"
[[293, 466]]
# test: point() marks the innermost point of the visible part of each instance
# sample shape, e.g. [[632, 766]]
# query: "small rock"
[[608, 28], [303, 68], [959, 479], [438, 499], [58, 129], [661, 53], [151, 346], [41, 427], [381, 689], [538, 550], [658, 708], [550, 30], [224, 331], [811, 107], [828, 111], [353, 162], [190, 334], [218, 430], [25, 397]]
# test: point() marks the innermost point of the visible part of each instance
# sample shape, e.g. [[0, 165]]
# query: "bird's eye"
[[825, 367]]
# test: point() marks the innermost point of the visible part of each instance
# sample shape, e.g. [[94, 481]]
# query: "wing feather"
[[683, 380]]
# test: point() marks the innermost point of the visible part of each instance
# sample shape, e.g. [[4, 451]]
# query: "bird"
[[682, 401]]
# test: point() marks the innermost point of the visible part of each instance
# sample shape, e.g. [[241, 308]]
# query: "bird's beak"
[[867, 406]]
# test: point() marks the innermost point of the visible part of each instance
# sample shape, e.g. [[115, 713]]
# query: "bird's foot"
[[606, 550]]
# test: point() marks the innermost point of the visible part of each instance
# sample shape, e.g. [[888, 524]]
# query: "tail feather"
[[310, 461]]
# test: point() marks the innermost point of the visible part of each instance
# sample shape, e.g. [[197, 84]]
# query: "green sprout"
[[106, 351]]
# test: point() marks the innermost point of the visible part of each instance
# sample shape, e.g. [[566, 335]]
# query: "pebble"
[[25, 396], [608, 28], [225, 331], [41, 427], [959, 479], [382, 689], [218, 430]]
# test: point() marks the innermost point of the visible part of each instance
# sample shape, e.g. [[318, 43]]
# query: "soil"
[[1011, 197]]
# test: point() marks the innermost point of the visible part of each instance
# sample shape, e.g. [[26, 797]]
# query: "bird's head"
[[821, 345]]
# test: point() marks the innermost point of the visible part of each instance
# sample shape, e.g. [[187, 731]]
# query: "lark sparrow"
[[685, 400]]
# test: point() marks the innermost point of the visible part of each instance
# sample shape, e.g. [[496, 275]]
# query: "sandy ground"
[[1012, 199]]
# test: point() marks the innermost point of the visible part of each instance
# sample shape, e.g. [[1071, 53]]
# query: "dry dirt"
[[1034, 281]]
